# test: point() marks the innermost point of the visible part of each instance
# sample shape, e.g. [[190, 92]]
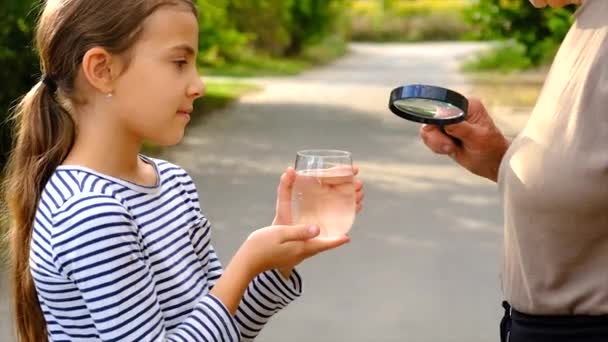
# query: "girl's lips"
[[184, 114]]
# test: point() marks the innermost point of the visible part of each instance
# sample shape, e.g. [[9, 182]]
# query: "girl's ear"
[[100, 68]]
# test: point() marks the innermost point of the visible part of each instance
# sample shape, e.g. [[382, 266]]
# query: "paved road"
[[424, 260], [423, 264]]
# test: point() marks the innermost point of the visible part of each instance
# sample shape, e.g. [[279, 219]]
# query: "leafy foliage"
[[231, 32], [539, 31]]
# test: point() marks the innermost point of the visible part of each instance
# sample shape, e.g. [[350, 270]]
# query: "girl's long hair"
[[45, 128]]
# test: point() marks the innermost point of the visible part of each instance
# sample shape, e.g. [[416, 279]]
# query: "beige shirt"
[[554, 182]]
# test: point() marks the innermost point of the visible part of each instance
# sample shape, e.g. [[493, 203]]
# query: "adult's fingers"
[[436, 140]]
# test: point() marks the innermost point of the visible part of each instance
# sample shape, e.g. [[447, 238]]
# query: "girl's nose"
[[197, 88]]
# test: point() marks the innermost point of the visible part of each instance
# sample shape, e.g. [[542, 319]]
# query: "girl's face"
[[554, 3], [154, 96]]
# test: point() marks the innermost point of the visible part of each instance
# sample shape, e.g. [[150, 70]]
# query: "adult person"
[[553, 179]]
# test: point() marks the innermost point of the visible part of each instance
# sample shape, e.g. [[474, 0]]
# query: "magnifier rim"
[[450, 97]]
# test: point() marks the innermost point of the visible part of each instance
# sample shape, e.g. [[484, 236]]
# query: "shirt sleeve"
[[266, 295], [96, 245]]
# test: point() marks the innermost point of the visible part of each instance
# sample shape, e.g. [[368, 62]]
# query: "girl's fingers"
[[318, 245], [358, 185], [359, 196], [284, 190], [301, 232]]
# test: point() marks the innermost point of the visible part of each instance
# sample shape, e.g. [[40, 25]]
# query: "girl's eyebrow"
[[189, 50]]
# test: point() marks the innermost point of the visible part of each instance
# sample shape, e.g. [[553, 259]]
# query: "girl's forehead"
[[170, 24]]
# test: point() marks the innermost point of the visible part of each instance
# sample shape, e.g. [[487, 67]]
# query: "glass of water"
[[324, 192]]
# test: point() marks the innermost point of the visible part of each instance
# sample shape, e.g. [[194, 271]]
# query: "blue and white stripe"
[[117, 261]]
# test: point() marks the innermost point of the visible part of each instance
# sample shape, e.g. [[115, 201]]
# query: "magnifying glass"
[[429, 104]]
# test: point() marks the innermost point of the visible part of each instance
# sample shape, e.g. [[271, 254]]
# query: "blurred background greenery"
[[394, 20], [282, 37]]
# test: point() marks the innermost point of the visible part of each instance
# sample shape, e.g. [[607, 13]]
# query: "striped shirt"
[[117, 261]]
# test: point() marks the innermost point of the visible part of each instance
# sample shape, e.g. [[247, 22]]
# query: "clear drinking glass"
[[324, 193]]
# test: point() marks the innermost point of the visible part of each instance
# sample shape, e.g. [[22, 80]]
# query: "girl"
[[110, 245]]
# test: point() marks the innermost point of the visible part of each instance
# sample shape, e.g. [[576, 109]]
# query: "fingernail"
[[446, 149], [313, 230], [426, 127]]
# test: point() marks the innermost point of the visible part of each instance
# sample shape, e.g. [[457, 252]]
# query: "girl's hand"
[[283, 214], [282, 247], [273, 247], [483, 145]]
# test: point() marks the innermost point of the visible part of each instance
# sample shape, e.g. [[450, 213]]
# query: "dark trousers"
[[519, 327]]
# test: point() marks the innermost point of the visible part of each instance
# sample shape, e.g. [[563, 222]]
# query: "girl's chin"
[[167, 140]]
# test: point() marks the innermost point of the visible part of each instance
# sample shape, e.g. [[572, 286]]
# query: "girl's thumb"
[[300, 232]]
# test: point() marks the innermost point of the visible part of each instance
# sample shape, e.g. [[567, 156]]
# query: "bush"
[[506, 57], [289, 26], [415, 20], [20, 70], [219, 39], [311, 21], [273, 36], [231, 32], [539, 31]]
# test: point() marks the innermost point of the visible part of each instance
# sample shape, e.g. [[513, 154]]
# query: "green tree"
[[265, 20], [227, 31], [20, 70], [311, 20], [219, 38], [285, 27], [539, 31]]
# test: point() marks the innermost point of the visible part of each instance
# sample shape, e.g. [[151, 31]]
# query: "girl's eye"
[[180, 64]]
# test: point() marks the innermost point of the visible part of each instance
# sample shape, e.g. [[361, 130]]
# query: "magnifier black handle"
[[456, 141]]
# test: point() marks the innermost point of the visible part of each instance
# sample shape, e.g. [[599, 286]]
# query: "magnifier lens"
[[428, 104], [426, 108]]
